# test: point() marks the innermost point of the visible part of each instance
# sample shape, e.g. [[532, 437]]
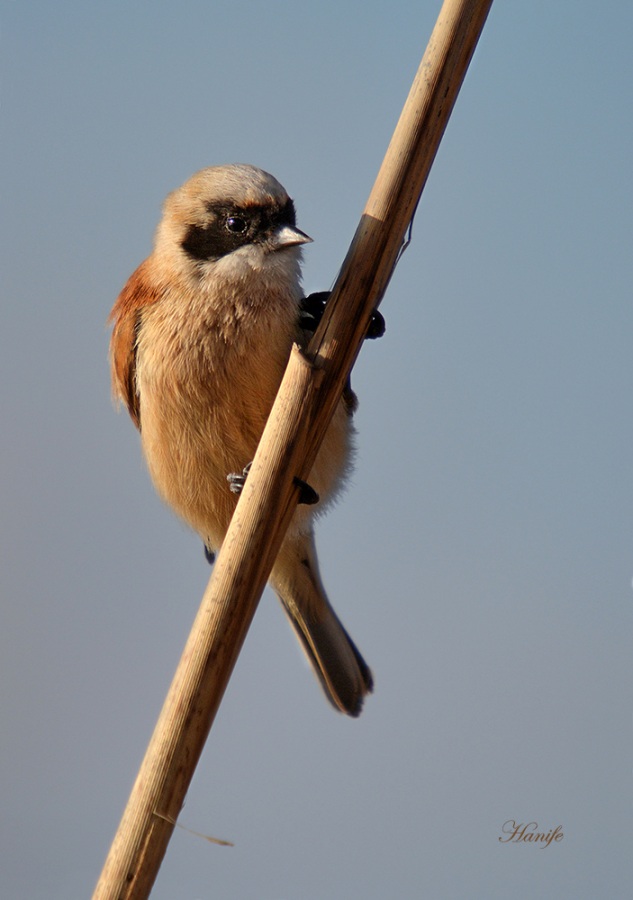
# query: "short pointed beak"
[[288, 236]]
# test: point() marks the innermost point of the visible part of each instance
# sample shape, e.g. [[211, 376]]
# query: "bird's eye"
[[237, 224]]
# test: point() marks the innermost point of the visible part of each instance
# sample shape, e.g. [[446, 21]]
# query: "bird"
[[201, 335]]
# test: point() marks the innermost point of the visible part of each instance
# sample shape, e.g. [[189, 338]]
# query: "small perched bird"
[[202, 333]]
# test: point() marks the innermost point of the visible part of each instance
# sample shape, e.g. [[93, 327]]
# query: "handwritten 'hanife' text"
[[518, 833]]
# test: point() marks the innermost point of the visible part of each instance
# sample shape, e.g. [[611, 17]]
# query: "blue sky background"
[[482, 555]]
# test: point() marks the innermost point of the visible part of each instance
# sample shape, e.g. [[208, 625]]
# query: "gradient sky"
[[481, 558]]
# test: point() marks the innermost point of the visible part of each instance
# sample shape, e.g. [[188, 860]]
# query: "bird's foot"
[[307, 495], [237, 481]]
